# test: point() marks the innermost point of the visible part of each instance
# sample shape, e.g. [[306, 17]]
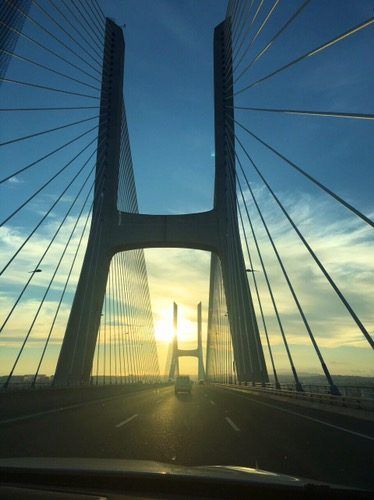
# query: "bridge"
[[172, 363], [79, 354]]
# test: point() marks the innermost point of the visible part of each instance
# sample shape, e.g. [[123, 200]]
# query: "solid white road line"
[[230, 422], [127, 420], [323, 422]]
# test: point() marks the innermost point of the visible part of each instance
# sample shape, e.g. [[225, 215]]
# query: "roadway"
[[212, 426]]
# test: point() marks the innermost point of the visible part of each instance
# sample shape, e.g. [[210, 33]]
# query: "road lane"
[[124, 422], [283, 442], [184, 429], [231, 423], [82, 431], [212, 426]]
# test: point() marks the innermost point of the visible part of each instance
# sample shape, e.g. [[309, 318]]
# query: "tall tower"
[[114, 231], [248, 353], [178, 353]]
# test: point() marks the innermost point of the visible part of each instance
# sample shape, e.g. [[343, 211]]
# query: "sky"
[[168, 92]]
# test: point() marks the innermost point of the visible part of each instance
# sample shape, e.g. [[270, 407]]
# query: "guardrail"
[[15, 403], [47, 386], [317, 394]]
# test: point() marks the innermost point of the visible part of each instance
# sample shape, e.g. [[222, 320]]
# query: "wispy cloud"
[[15, 180], [344, 245]]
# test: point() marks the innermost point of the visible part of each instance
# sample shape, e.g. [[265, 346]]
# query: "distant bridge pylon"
[[178, 353]]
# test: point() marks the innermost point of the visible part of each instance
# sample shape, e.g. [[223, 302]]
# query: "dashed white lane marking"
[[212, 403], [323, 422], [230, 422], [127, 420]]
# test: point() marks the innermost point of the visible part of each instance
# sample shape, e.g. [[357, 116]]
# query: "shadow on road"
[[184, 396]]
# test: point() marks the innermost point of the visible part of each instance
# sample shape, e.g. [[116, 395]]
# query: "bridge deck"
[[213, 426]]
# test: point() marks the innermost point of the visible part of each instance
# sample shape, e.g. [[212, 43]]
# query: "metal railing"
[[354, 397]]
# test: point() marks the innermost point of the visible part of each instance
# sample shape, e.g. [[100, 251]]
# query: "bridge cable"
[[244, 305], [54, 37], [83, 232], [75, 29], [45, 87], [312, 253], [329, 114], [230, 28], [233, 252], [277, 384], [310, 53], [48, 246], [53, 275], [43, 132], [96, 41], [51, 18], [95, 18], [283, 334], [41, 188], [47, 68], [58, 56], [67, 108], [259, 7], [258, 32], [50, 153], [308, 176], [333, 388], [98, 9], [269, 44]]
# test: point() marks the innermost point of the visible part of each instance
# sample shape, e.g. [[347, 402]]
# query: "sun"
[[164, 331]]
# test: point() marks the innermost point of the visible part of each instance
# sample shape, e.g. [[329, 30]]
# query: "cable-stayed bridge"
[[75, 297]]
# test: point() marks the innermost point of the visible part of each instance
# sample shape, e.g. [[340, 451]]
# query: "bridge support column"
[[113, 231], [177, 353], [248, 353], [78, 348], [201, 371], [174, 365]]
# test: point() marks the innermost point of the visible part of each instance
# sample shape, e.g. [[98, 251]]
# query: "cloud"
[[343, 244], [174, 22], [15, 180]]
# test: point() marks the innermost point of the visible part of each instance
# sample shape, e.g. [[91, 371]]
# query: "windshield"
[[186, 198]]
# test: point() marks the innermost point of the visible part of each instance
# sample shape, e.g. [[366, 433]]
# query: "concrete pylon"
[[174, 365], [114, 231], [201, 370], [178, 353]]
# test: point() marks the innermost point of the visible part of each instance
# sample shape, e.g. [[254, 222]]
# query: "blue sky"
[[168, 91], [169, 99]]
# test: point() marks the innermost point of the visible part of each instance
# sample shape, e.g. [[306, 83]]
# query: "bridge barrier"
[[15, 403], [322, 396]]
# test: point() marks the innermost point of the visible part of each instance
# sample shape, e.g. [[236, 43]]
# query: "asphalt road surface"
[[212, 426]]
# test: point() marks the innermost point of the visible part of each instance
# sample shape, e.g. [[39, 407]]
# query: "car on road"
[[183, 384]]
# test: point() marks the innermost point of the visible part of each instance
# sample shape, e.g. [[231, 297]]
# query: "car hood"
[[145, 468]]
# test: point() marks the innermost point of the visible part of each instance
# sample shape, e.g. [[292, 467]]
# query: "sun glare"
[[164, 327]]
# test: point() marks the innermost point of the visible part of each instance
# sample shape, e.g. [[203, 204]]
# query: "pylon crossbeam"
[[215, 230]]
